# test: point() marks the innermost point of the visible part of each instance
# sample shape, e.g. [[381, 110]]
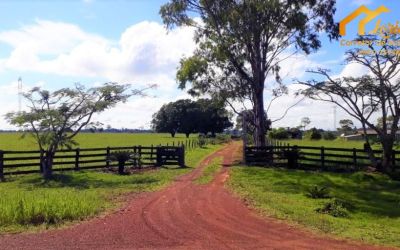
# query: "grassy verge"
[[209, 172], [369, 210], [28, 202]]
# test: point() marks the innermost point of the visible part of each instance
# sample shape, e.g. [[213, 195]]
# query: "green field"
[[28, 202], [338, 143], [370, 202], [13, 141]]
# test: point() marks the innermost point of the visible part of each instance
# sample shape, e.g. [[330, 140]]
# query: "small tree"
[[305, 121], [364, 97], [55, 118], [346, 126]]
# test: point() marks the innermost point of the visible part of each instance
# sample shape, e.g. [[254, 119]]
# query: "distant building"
[[370, 133]]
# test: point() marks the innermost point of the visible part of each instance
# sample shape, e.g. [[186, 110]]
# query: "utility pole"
[[334, 117], [19, 94]]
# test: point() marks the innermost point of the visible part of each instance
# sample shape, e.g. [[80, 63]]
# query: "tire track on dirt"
[[182, 216]]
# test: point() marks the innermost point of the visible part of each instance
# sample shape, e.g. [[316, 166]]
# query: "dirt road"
[[182, 216]]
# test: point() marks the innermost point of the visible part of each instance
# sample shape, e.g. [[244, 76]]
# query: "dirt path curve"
[[182, 216]]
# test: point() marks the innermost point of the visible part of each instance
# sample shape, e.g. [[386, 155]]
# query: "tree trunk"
[[48, 165], [173, 134], [259, 119], [187, 135], [368, 149], [387, 146]]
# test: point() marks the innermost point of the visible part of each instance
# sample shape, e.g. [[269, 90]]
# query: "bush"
[[317, 192], [221, 138], [328, 136], [202, 141], [278, 134], [336, 208], [313, 134]]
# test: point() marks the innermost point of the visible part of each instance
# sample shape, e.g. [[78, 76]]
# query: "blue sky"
[[57, 43]]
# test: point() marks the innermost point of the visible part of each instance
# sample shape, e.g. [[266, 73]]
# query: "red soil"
[[182, 216]]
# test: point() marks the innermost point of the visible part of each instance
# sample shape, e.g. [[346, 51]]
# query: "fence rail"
[[346, 159], [25, 162]]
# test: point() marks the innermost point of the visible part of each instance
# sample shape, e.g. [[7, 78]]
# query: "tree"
[[313, 134], [251, 126], [278, 134], [214, 117], [365, 96], [186, 116], [305, 121], [241, 43], [166, 119], [346, 126], [55, 118]]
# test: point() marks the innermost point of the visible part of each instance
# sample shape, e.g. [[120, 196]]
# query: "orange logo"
[[371, 14]]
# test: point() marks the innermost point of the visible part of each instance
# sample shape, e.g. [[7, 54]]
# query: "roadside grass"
[[373, 201], [28, 202], [13, 141], [209, 172]]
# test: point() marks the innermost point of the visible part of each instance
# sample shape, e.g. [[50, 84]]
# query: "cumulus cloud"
[[144, 54]]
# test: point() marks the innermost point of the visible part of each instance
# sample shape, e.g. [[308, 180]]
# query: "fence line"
[[325, 158]]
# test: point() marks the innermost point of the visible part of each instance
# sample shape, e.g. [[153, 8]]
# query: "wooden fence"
[[25, 162], [326, 158]]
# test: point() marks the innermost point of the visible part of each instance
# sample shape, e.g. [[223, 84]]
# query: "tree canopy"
[[364, 97], [55, 118], [241, 43], [187, 116]]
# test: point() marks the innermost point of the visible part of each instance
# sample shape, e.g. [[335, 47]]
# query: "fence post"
[[322, 157], [77, 153], [296, 161], [159, 158], [41, 160], [355, 158], [182, 157], [1, 165], [108, 157]]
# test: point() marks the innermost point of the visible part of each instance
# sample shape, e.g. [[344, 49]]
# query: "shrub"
[[202, 141], [336, 208], [221, 138], [313, 134], [317, 192], [121, 157], [278, 134], [328, 136]]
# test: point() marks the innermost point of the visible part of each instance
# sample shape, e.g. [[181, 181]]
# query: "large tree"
[[214, 117], [187, 116], [241, 43], [55, 118], [365, 97]]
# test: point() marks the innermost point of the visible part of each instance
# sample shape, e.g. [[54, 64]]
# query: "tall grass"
[[47, 206], [27, 201]]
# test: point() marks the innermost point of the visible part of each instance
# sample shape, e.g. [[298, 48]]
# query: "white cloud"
[[361, 2], [144, 54]]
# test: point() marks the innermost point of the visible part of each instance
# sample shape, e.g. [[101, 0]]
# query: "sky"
[[55, 44]]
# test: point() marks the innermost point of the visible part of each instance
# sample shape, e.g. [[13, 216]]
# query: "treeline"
[[187, 117], [296, 133]]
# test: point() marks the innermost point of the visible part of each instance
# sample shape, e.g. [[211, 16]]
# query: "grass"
[[374, 201], [28, 202], [209, 172], [338, 143], [13, 141]]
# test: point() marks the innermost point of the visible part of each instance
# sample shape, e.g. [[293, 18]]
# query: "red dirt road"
[[182, 216]]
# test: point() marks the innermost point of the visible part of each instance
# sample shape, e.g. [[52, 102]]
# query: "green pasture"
[[28, 202], [14, 141], [371, 202]]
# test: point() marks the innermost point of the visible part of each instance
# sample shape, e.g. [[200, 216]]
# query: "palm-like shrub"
[[121, 157]]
